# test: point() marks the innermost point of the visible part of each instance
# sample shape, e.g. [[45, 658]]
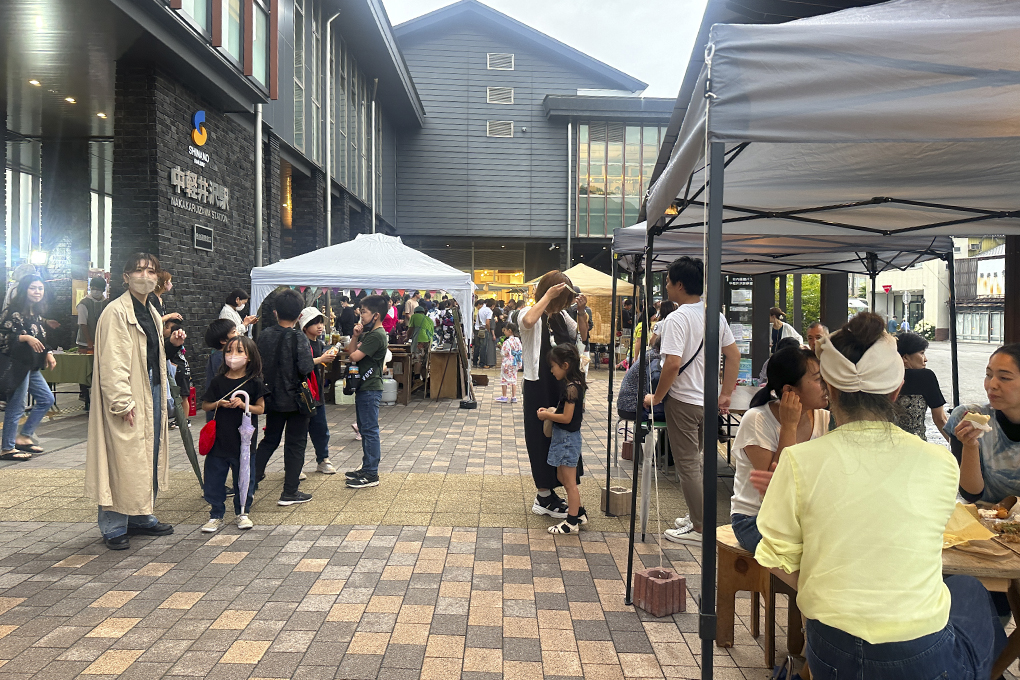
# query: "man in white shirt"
[[682, 386]]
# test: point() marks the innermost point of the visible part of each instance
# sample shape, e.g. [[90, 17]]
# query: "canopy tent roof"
[[592, 281], [751, 254], [802, 105], [370, 261]]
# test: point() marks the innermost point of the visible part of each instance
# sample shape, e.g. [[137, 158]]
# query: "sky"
[[628, 35]]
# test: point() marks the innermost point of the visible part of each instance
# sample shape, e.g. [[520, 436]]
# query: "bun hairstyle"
[[778, 313], [786, 367], [910, 343], [852, 340]]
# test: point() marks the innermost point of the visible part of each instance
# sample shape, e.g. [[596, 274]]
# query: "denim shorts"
[[565, 448]]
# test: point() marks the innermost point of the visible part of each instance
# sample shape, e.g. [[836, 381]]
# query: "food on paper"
[[977, 418], [1008, 531]]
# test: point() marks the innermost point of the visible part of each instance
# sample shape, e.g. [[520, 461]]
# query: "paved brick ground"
[[442, 571]]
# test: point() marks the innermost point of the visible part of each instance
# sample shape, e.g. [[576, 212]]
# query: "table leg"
[[770, 624], [1012, 650]]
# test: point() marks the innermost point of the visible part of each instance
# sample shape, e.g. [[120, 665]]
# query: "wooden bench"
[[739, 571]]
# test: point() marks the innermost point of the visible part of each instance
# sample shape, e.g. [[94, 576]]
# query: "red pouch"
[[207, 437]]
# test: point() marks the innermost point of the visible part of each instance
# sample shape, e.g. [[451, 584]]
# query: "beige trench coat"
[[118, 463]]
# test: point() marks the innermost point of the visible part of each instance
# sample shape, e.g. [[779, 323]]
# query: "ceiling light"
[[69, 100], [103, 115], [34, 82]]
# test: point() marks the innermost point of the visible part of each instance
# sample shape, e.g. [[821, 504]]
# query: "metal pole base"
[[469, 404]]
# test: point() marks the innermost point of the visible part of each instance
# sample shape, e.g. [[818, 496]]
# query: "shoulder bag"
[[305, 400], [207, 436]]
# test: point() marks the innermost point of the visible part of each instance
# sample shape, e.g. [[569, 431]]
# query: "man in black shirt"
[[348, 317], [628, 315]]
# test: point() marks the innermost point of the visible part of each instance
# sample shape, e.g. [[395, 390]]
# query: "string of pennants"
[[358, 291]]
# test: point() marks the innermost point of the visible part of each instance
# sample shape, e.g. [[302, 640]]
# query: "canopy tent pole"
[[873, 274], [954, 349], [713, 307], [639, 430], [612, 364]]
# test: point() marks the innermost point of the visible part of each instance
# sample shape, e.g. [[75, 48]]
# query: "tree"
[[810, 299]]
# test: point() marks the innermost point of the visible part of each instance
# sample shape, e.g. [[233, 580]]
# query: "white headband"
[[880, 370]]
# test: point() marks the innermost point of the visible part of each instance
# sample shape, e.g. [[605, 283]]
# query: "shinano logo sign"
[[199, 136]]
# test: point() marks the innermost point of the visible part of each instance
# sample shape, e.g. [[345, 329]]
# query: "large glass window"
[[198, 10], [614, 164], [316, 97], [299, 74], [232, 28], [260, 46], [340, 113]]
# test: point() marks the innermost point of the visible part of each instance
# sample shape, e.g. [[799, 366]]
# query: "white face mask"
[[141, 285], [239, 307], [236, 361]]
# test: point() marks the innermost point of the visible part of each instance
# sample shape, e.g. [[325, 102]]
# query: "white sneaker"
[[243, 522], [212, 526], [682, 522], [302, 477], [325, 467], [686, 536], [553, 512]]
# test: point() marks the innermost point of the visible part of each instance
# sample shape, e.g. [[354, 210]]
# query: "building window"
[[354, 146], [260, 45], [316, 96], [340, 113], [499, 95], [499, 128], [499, 61], [286, 196], [614, 164], [299, 74], [232, 28], [198, 10]]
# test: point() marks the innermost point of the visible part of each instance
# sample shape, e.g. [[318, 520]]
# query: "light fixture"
[[671, 210], [103, 115], [34, 82], [553, 247], [38, 258], [69, 100]]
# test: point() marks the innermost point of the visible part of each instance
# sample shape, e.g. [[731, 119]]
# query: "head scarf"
[[880, 370]]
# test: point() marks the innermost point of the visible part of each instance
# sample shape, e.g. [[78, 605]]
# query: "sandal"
[[16, 456], [565, 527], [29, 448]]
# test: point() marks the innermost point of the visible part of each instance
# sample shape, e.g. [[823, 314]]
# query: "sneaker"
[[357, 432], [212, 526], [353, 474], [243, 522], [172, 425], [501, 400], [686, 536], [554, 507], [293, 499], [682, 522], [229, 491], [325, 467], [362, 481], [302, 477], [513, 400]]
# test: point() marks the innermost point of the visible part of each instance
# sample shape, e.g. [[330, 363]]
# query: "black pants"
[[293, 447]]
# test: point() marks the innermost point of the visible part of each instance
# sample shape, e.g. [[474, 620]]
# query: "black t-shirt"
[[573, 393], [920, 391], [628, 318], [776, 336], [347, 320], [153, 337], [228, 420]]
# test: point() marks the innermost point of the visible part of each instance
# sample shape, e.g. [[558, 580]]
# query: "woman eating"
[[856, 518], [788, 410]]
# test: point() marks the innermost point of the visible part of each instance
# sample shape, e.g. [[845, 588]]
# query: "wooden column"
[[798, 309], [762, 297], [833, 302], [1011, 320]]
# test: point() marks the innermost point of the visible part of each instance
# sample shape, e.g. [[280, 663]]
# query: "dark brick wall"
[[152, 136], [341, 218], [309, 231], [272, 219]]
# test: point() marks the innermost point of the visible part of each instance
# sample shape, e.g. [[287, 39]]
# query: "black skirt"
[[542, 393]]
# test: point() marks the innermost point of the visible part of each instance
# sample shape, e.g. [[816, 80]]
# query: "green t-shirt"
[[422, 328], [373, 345]]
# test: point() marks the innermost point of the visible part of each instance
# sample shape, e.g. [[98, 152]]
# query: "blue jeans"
[[113, 524], [745, 528], [318, 430], [216, 469], [366, 406], [35, 385], [964, 650]]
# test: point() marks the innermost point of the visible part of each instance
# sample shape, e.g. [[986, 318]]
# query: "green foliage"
[[925, 329], [810, 299]]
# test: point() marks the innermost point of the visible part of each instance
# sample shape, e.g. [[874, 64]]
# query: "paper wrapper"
[[963, 526]]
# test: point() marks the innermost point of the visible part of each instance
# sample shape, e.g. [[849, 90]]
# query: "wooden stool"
[[737, 570]]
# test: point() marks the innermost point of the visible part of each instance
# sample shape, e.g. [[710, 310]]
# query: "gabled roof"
[[472, 9]]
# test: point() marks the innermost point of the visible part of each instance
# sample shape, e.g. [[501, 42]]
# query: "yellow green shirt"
[[860, 513]]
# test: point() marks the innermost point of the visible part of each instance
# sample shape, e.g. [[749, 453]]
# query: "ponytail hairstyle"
[[786, 367], [778, 313], [852, 340], [566, 353]]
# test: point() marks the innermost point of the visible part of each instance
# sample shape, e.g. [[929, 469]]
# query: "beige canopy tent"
[[598, 288]]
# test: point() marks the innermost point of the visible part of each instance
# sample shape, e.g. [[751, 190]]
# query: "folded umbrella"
[[247, 430], [182, 422]]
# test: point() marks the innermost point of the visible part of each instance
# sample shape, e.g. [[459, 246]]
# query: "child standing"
[[241, 370], [368, 350], [565, 449], [512, 358]]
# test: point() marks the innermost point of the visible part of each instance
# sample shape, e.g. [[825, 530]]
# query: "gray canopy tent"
[[891, 120]]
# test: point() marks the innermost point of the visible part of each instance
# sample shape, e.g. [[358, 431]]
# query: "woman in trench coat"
[[126, 461]]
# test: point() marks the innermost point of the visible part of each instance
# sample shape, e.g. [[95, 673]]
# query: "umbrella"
[[182, 421], [247, 430]]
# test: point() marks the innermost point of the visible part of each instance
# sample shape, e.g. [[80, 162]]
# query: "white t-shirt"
[[531, 339], [759, 427], [484, 314], [682, 332]]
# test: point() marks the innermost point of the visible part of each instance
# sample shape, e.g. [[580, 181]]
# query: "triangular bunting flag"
[[357, 291]]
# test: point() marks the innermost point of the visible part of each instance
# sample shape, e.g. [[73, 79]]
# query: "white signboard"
[[991, 277]]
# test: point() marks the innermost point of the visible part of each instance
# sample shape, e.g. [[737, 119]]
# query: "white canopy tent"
[[369, 262], [889, 120]]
